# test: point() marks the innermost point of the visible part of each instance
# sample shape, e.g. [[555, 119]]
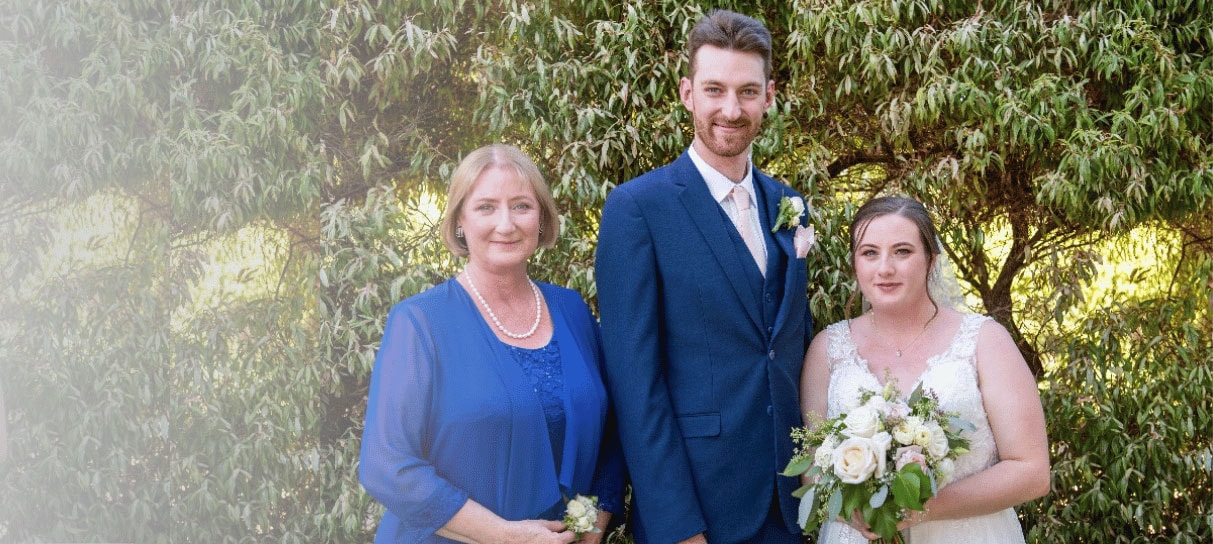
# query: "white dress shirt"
[[721, 188]]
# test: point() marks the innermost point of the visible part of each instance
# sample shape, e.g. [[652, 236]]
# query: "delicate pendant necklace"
[[897, 350], [493, 315]]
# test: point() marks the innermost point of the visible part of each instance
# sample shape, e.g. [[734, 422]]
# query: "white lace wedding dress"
[[953, 376]]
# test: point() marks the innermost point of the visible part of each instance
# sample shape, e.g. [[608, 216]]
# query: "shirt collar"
[[718, 184]]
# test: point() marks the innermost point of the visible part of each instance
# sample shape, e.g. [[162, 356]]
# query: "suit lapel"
[[772, 193], [705, 214]]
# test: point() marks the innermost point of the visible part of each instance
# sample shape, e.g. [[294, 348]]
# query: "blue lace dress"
[[542, 367]]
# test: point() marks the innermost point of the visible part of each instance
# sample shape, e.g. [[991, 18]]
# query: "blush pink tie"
[[745, 227]]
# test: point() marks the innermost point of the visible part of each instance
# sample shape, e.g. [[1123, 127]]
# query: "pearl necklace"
[[493, 315], [897, 350]]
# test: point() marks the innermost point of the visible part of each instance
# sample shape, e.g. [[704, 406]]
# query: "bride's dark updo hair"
[[908, 208]]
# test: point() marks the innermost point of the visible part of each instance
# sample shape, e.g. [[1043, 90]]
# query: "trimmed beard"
[[730, 147]]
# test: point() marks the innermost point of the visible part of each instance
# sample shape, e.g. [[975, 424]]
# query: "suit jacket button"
[[769, 410], [771, 355]]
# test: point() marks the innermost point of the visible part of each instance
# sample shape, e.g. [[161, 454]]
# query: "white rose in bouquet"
[[944, 470], [856, 459], [922, 436], [863, 421], [906, 431], [937, 445], [880, 444], [878, 403]]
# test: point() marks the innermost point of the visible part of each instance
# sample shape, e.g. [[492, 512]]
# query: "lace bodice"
[[542, 366], [952, 375]]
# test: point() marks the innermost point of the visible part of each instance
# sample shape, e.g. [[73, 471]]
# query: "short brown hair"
[[731, 31], [470, 169]]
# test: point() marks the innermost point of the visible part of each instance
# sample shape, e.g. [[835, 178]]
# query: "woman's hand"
[[913, 517], [604, 519], [537, 530], [475, 524], [860, 525]]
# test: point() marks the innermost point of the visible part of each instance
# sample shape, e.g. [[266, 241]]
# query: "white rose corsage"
[[580, 514], [791, 210]]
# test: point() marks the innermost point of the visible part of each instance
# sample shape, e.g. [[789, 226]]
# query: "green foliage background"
[[207, 208]]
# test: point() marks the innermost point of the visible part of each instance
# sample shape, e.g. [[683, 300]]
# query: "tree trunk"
[[998, 297], [998, 304]]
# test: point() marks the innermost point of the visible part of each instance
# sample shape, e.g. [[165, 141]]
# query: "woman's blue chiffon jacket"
[[451, 416]]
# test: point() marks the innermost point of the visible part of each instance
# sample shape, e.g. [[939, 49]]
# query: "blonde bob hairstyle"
[[469, 171]]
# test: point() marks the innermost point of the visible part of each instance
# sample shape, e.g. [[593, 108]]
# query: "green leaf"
[[877, 499], [916, 396], [798, 466], [834, 505], [883, 523], [853, 498], [800, 491], [907, 489], [961, 423]]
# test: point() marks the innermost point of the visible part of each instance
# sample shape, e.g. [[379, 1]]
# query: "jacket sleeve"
[[629, 297], [611, 472], [392, 465]]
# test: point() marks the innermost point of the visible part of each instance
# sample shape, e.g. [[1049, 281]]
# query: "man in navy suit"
[[704, 312]]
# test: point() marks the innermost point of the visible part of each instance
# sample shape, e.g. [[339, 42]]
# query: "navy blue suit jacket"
[[703, 356]]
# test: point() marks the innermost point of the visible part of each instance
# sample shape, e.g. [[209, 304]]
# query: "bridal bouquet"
[[882, 457]]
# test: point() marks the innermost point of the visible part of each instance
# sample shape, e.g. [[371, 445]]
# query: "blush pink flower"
[[803, 240], [909, 454]]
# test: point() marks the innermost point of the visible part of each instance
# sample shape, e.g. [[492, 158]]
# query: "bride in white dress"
[[912, 335]]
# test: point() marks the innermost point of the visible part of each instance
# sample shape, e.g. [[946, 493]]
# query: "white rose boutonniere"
[[791, 210], [580, 515]]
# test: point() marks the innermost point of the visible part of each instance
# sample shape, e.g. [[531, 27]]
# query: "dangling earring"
[[459, 232], [541, 231]]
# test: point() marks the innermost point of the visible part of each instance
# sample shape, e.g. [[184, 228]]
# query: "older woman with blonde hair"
[[486, 409]]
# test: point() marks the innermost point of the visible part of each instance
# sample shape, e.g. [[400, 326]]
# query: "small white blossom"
[[906, 431], [824, 456]]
